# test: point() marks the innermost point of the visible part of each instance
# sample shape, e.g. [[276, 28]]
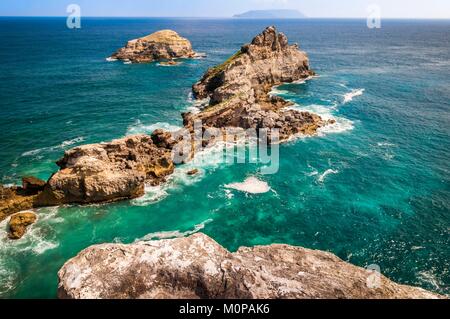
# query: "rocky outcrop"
[[107, 172], [198, 267], [161, 45], [238, 90], [238, 95], [18, 224], [15, 199]]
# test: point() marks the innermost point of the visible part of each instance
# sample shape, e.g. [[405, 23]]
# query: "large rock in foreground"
[[164, 44], [198, 267], [107, 172]]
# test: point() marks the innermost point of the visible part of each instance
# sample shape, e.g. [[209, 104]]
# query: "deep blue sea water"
[[374, 190]]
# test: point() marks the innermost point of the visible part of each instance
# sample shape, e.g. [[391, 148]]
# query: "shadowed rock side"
[[198, 267], [164, 44]]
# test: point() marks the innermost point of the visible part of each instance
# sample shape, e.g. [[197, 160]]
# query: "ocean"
[[373, 189]]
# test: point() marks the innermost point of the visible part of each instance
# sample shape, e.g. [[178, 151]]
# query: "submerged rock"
[[107, 172], [161, 45], [169, 63], [198, 267], [193, 172], [18, 224]]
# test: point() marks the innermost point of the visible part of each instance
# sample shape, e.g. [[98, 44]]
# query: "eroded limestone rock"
[[198, 267]]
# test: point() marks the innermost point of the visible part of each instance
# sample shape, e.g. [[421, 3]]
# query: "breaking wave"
[[63, 145], [140, 128], [321, 178], [348, 97], [174, 233]]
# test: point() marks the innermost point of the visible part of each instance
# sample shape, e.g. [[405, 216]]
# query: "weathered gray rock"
[[198, 267], [164, 44], [107, 172]]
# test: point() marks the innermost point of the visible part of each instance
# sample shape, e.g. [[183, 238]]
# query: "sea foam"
[[251, 185], [321, 178], [348, 97], [174, 233]]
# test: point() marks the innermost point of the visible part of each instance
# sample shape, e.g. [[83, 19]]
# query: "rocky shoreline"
[[197, 267]]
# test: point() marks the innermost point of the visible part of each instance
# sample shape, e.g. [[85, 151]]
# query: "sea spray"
[[251, 185], [175, 233]]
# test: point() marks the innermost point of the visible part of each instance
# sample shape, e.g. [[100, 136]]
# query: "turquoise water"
[[374, 190]]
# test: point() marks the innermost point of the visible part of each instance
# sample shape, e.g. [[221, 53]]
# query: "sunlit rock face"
[[161, 45], [198, 267]]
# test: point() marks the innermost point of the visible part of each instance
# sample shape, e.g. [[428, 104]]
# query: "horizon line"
[[219, 17]]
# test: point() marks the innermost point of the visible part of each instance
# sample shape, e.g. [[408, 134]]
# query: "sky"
[[431, 9]]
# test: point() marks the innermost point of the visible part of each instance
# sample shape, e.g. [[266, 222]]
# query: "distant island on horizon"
[[271, 14]]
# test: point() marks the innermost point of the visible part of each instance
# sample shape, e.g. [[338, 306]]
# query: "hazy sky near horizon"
[[227, 8]]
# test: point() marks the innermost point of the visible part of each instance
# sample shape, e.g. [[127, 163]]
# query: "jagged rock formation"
[[15, 199], [107, 172], [239, 88], [18, 224], [164, 44], [198, 267]]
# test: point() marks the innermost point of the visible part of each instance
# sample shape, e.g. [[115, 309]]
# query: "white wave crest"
[[111, 59], [153, 194], [251, 185], [321, 178], [200, 55], [63, 145], [174, 234], [71, 142], [340, 125], [140, 128], [196, 105], [276, 91], [348, 97]]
